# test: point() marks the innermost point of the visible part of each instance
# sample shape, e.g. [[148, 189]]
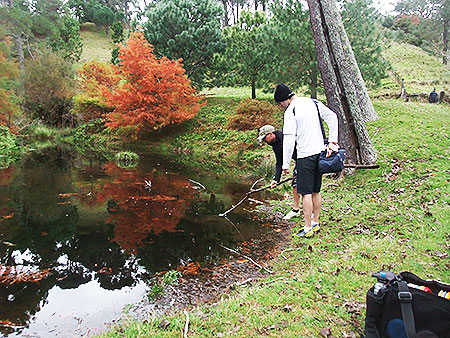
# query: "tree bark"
[[19, 49], [344, 87], [253, 90], [446, 23]]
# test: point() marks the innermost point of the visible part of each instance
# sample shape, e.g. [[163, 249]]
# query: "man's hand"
[[332, 147], [273, 184], [285, 171]]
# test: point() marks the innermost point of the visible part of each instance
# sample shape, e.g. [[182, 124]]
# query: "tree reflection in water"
[[90, 221]]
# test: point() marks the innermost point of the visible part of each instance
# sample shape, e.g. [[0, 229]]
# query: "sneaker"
[[316, 227], [292, 214], [309, 233]]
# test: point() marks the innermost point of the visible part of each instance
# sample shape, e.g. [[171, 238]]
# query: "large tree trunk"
[[225, 21], [445, 40], [344, 87], [253, 89], [19, 49]]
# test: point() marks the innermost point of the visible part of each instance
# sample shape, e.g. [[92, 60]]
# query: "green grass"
[[396, 218], [421, 71], [96, 45]]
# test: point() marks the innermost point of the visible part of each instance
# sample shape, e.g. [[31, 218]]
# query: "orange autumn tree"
[[155, 91]]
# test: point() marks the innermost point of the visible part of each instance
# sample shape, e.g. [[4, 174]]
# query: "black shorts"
[[309, 179]]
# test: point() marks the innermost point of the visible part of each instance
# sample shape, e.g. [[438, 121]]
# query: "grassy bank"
[[396, 217]]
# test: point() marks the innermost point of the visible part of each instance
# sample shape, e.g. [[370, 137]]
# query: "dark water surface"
[[80, 239]]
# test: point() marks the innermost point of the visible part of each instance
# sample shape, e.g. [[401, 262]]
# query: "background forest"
[[52, 78]]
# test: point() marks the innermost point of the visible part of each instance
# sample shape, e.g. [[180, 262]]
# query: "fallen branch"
[[198, 183], [290, 249], [250, 259], [362, 166], [252, 191], [186, 326]]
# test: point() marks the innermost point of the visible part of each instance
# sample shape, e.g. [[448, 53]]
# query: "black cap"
[[282, 93]]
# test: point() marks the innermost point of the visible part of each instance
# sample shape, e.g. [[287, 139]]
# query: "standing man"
[[302, 127], [274, 138]]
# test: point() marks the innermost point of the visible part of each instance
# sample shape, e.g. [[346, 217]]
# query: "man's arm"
[[289, 132]]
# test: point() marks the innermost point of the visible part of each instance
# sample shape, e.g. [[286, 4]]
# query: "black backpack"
[[422, 305]]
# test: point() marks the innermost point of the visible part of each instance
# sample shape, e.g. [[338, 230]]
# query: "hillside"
[[96, 45], [421, 71]]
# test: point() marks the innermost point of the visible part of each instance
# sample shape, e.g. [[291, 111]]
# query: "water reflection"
[[66, 222]]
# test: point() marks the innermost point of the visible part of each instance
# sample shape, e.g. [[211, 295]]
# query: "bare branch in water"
[[249, 258]]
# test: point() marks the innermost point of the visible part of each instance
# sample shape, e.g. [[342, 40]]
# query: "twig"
[[249, 258], [290, 249], [234, 227], [256, 182], [186, 326], [276, 280], [255, 201], [252, 191], [198, 183]]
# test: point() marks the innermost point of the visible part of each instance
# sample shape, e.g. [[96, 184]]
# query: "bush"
[[94, 77], [252, 114], [48, 82], [126, 159], [10, 149]]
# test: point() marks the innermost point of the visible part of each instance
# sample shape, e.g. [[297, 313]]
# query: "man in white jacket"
[[302, 126]]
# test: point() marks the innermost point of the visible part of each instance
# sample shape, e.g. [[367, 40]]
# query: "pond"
[[81, 239]]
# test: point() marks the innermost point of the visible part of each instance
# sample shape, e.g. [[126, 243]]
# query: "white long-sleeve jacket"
[[303, 127]]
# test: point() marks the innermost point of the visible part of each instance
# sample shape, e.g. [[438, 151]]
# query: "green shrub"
[[171, 277], [48, 82], [252, 114], [10, 148], [126, 159], [41, 132]]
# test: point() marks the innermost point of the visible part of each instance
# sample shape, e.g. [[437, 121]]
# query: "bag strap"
[[405, 297], [325, 140]]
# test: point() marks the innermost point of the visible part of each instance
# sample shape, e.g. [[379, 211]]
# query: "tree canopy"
[[155, 92], [186, 29]]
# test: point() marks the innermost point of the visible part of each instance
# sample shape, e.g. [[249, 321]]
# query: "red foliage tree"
[[155, 93]]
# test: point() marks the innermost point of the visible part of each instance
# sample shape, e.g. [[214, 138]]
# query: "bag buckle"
[[405, 296]]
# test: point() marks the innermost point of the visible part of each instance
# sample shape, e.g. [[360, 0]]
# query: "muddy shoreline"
[[207, 284]]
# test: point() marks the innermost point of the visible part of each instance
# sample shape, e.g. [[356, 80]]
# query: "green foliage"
[[91, 138], [252, 114], [292, 46], [186, 29], [41, 132], [171, 277], [10, 148], [156, 290], [8, 82], [117, 32], [93, 11], [48, 82], [247, 56], [424, 23], [69, 43], [360, 22], [126, 159]]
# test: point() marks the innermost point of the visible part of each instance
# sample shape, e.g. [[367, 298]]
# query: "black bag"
[[333, 163], [420, 304]]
